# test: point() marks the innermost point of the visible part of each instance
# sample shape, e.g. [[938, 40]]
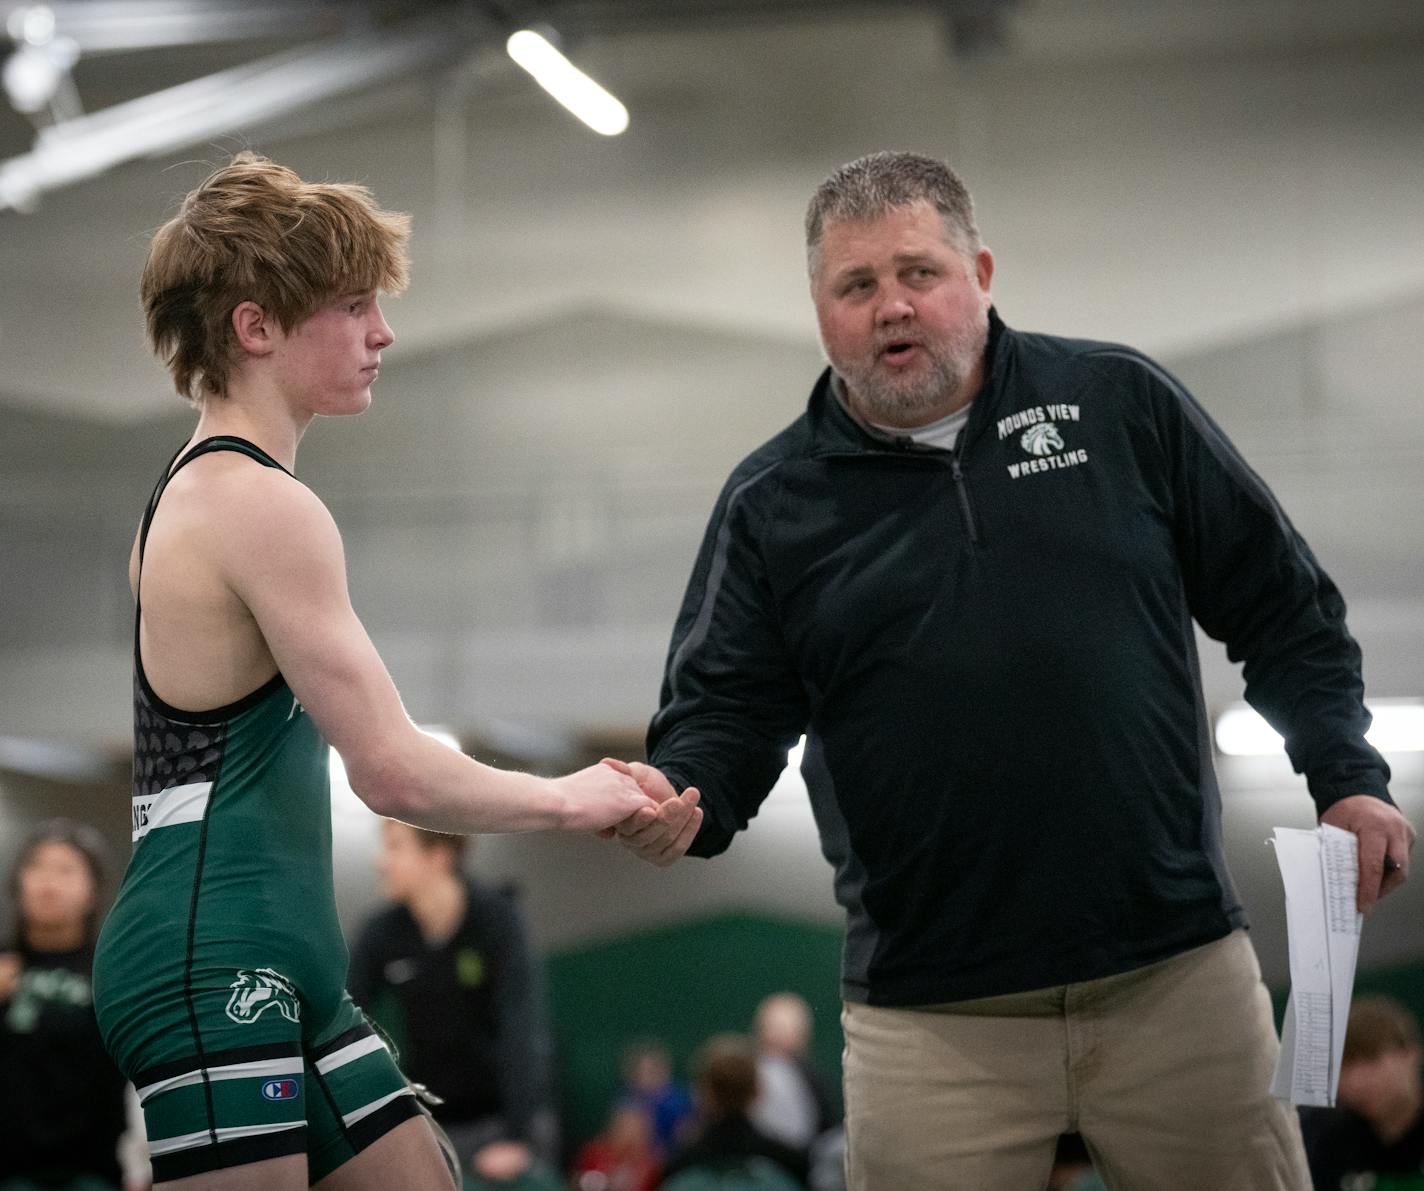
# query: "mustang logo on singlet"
[[253, 993]]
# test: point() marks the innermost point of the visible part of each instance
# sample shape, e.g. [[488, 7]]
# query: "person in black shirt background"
[[448, 970], [61, 1097], [1375, 1138]]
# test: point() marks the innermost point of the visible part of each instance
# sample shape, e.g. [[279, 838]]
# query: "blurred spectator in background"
[[62, 1107], [622, 1157], [648, 1083], [728, 1144], [1375, 1138], [795, 1104], [448, 970]]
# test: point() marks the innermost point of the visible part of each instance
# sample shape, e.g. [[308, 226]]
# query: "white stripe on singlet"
[[349, 1054], [259, 1068], [168, 808], [366, 1110]]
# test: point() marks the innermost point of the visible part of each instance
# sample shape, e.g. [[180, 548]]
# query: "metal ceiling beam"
[[233, 100], [115, 26]]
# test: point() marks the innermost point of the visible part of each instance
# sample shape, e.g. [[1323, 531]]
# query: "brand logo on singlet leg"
[[281, 1089], [255, 992]]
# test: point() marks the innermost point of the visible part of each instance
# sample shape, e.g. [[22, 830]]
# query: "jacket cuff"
[[1327, 793]]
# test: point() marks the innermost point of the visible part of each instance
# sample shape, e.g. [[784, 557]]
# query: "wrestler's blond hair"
[[254, 231]]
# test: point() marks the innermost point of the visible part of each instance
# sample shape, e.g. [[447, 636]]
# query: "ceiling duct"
[[234, 100]]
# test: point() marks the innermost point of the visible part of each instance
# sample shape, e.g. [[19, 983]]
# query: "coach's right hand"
[[600, 797], [664, 837]]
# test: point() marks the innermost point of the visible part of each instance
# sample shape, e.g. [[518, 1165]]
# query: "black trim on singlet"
[[214, 715], [240, 1152], [343, 1039], [374, 1126], [191, 937]]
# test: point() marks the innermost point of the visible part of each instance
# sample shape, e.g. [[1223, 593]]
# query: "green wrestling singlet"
[[220, 971]]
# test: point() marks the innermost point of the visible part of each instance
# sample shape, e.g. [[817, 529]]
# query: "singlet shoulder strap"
[[222, 442], [176, 464]]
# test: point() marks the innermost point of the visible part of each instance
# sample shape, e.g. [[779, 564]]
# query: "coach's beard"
[[909, 400]]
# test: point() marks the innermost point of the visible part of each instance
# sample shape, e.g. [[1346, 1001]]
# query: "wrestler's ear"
[[255, 331]]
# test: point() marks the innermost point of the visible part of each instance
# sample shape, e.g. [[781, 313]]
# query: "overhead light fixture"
[[33, 23], [585, 98], [36, 76], [1398, 727], [252, 95]]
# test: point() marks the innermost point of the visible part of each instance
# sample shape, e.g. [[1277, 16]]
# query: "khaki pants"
[[1164, 1070]]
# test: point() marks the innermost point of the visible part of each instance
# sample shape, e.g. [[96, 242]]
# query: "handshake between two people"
[[661, 829]]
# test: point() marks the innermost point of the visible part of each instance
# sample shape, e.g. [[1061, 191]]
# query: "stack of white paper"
[[1320, 869]]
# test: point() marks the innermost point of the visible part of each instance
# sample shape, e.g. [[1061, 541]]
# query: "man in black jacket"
[[449, 970], [968, 573]]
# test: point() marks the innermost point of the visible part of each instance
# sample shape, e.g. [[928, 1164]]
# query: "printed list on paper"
[[1320, 870]]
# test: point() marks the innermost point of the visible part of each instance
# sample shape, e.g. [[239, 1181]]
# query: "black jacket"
[[467, 1013], [728, 1143], [991, 652], [61, 1097], [1343, 1150]]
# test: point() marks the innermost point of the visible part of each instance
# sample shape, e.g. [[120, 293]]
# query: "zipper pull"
[[962, 491]]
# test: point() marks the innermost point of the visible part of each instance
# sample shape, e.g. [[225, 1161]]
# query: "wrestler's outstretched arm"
[[281, 554]]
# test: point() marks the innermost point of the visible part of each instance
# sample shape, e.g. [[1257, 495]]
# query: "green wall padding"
[[680, 985]]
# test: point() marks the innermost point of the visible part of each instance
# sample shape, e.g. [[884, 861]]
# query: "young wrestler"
[[219, 975]]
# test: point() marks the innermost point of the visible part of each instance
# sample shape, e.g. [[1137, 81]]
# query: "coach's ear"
[[256, 333], [984, 272]]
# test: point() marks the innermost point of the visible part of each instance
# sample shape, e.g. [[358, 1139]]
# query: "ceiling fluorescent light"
[[567, 83], [1398, 728]]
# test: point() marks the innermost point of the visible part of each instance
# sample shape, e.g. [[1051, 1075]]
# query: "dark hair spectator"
[[725, 1086], [61, 1097], [1377, 1129]]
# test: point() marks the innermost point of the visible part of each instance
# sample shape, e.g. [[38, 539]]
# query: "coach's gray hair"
[[870, 187]]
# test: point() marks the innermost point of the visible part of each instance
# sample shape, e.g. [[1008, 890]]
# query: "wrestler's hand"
[[10, 968], [599, 798], [663, 837], [1383, 833]]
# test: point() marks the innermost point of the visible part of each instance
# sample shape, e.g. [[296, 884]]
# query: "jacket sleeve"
[[732, 705], [1252, 582]]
